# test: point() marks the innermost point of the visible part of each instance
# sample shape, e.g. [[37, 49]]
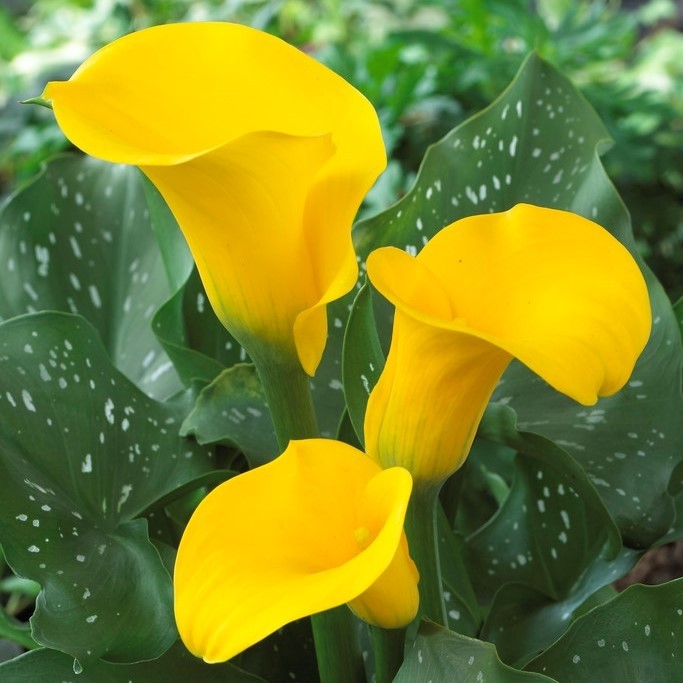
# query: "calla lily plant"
[[264, 156], [548, 287]]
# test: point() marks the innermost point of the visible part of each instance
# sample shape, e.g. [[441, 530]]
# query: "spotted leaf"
[[78, 239], [633, 638], [83, 453], [538, 143]]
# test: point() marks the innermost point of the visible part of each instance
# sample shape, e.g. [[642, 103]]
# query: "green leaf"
[[175, 665], [678, 312], [538, 143], [175, 253], [552, 525], [327, 385], [16, 631], [362, 358], [461, 604], [233, 409], [550, 546], [77, 239], [633, 638], [170, 327], [83, 452], [441, 656]]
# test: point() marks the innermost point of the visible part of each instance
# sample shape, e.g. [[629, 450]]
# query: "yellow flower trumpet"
[[262, 154], [547, 287], [320, 526]]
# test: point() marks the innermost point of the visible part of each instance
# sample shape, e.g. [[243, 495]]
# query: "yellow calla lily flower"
[[320, 526], [262, 154], [547, 287]]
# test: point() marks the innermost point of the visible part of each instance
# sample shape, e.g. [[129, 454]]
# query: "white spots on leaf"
[[541, 505], [471, 195], [513, 146], [33, 549], [43, 258], [86, 465], [565, 518], [165, 367], [601, 642], [75, 282], [91, 618], [28, 401], [30, 291], [576, 659], [80, 558], [95, 296], [109, 411], [75, 247], [125, 494], [22, 517], [366, 384]]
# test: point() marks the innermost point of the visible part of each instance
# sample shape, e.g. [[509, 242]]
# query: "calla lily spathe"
[[320, 526], [547, 287], [262, 154]]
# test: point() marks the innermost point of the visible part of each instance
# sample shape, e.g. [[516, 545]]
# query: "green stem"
[[288, 392], [421, 530], [388, 645], [336, 646]]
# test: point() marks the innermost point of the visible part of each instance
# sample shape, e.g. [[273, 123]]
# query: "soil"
[[656, 566]]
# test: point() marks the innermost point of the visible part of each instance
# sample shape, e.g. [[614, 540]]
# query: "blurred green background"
[[426, 66]]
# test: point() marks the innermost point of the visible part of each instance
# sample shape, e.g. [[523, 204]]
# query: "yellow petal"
[[182, 101], [548, 287], [424, 411], [310, 531], [248, 242]]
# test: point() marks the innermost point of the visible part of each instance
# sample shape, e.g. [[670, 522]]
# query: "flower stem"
[[424, 549], [336, 646], [388, 645], [288, 392]]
